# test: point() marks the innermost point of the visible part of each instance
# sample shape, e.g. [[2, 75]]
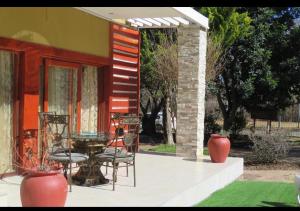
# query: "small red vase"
[[44, 189], [218, 148]]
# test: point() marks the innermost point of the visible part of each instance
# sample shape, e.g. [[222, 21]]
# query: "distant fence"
[[289, 119], [292, 128]]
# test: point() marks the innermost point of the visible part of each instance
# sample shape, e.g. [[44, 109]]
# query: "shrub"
[[210, 126], [239, 123], [269, 148]]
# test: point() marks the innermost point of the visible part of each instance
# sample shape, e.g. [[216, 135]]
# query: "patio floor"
[[161, 181]]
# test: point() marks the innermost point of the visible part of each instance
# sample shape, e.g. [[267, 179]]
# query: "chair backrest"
[[127, 128], [55, 132]]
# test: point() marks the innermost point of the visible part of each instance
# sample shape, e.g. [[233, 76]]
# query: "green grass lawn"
[[164, 148], [253, 194]]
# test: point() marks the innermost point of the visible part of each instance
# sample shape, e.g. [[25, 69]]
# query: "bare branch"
[[214, 59]]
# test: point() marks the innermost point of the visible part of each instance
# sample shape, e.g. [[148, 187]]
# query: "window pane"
[[6, 110], [62, 92], [89, 100]]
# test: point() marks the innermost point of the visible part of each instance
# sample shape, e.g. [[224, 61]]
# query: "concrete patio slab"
[[161, 181]]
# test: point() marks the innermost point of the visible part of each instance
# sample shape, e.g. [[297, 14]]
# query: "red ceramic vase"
[[218, 148], [44, 189]]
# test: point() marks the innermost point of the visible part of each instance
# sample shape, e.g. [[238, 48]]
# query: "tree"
[[166, 63], [277, 87], [159, 79], [227, 25], [214, 59], [151, 95], [261, 71]]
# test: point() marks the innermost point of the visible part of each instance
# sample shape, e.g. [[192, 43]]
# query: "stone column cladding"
[[192, 42]]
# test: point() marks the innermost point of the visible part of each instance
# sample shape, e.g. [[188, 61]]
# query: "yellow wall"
[[60, 27]]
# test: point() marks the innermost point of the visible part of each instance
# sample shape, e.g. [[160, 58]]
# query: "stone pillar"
[[191, 92]]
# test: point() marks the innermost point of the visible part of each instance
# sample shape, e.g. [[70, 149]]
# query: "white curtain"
[[59, 95], [89, 100], [6, 111]]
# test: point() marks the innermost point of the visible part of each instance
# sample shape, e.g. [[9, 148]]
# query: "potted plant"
[[218, 147], [43, 184], [43, 188]]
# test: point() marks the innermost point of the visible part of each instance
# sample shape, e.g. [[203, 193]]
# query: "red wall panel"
[[125, 70]]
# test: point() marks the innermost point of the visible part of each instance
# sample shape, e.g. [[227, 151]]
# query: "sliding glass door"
[[61, 92], [74, 89]]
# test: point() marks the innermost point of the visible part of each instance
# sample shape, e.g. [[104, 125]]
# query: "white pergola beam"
[[171, 20], [188, 14], [182, 20], [153, 21], [141, 20], [134, 25], [134, 22], [162, 21], [193, 15]]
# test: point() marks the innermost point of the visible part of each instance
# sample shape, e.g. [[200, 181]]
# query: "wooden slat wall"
[[125, 70]]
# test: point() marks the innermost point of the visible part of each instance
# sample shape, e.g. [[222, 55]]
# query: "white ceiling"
[[150, 17]]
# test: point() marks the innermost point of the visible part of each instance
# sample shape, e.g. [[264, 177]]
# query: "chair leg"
[[114, 175], [65, 173], [70, 177], [106, 168]]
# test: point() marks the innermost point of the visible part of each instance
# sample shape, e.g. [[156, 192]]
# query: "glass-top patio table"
[[90, 143]]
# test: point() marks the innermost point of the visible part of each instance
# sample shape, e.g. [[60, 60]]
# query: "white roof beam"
[[162, 21], [154, 16], [132, 21], [153, 21], [134, 25], [193, 15], [182, 20], [143, 21], [171, 20]]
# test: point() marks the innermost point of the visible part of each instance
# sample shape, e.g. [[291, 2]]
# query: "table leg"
[[90, 174]]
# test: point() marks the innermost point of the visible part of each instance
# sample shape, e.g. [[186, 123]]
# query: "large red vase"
[[44, 189], [218, 148]]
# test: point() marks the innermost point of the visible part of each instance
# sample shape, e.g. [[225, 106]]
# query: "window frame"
[[100, 90]]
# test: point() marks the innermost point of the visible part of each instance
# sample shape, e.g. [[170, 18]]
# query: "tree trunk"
[[148, 121], [148, 125], [168, 123], [226, 123], [269, 125]]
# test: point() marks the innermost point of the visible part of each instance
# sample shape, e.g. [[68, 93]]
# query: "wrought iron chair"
[[57, 144], [126, 132]]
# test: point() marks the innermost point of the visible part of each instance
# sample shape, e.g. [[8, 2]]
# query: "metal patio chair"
[[122, 147], [58, 144]]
